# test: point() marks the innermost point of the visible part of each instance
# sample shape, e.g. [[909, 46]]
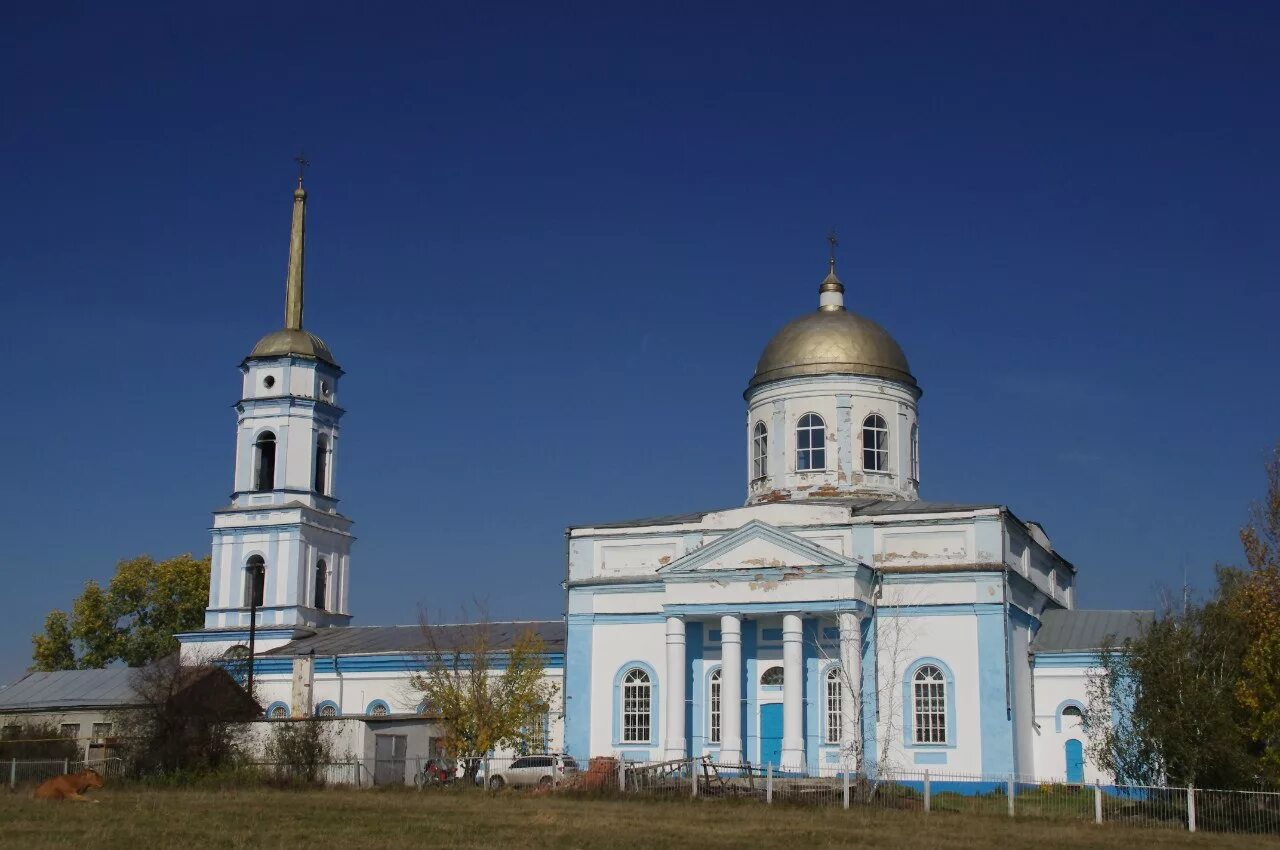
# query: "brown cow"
[[69, 786]]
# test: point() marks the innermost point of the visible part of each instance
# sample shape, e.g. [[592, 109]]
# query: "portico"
[[732, 693]]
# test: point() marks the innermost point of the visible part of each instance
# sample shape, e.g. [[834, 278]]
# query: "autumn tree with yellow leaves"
[[133, 619]]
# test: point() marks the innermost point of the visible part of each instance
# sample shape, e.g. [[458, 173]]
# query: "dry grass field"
[[138, 819]]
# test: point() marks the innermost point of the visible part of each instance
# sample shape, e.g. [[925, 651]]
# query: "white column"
[[730, 689], [851, 700], [676, 675], [792, 692]]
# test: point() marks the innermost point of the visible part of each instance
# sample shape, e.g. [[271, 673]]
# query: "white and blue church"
[[834, 621]]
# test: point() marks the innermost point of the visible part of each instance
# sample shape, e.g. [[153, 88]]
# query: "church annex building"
[[835, 621]]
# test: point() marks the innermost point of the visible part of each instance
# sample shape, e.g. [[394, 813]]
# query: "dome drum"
[[832, 409]]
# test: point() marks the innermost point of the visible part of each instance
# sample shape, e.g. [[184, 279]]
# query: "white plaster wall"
[[1053, 686], [953, 640], [1023, 710], [612, 646]]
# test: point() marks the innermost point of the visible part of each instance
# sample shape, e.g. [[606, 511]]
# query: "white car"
[[531, 770]]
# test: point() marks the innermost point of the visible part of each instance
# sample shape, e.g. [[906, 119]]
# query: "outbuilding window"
[[772, 677], [760, 451], [637, 706], [811, 443], [929, 705], [875, 444]]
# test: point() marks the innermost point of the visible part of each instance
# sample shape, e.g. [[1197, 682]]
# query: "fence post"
[[66, 765], [484, 771], [1191, 809], [1011, 791], [768, 782], [693, 778], [846, 788], [622, 776], [13, 774], [555, 767], [1097, 803], [928, 793]]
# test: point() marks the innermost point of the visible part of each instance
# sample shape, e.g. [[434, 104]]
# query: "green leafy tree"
[[300, 750], [1256, 601], [52, 649], [1196, 698], [93, 627], [1162, 706], [481, 703], [133, 619]]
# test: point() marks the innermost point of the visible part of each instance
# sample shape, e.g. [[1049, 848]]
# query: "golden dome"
[[832, 341], [293, 342]]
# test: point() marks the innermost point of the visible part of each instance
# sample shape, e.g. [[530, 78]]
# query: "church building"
[[835, 621]]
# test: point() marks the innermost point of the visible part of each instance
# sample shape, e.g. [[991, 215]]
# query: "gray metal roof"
[[857, 507], [63, 689], [373, 640], [1064, 630]]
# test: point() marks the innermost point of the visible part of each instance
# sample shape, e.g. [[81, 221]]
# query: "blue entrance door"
[[771, 733], [1075, 761]]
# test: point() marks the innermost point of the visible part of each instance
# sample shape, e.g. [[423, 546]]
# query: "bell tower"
[[281, 546]]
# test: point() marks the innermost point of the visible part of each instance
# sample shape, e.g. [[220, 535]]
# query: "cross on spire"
[[831, 239], [303, 162]]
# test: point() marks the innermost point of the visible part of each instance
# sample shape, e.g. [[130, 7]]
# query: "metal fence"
[[926, 792], [922, 792], [18, 773]]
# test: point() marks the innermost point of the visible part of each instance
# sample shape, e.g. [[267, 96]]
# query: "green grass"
[[264, 819]]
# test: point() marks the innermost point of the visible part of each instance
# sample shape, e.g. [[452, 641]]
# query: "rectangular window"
[[636, 710], [834, 695], [715, 708], [101, 730], [930, 711], [69, 730]]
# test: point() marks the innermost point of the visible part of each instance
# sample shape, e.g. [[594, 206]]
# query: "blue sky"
[[548, 244]]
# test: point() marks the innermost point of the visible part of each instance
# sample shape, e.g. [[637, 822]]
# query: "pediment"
[[757, 545]]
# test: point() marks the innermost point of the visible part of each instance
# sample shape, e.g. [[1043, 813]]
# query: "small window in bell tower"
[[322, 585], [322, 465], [265, 447], [255, 581]]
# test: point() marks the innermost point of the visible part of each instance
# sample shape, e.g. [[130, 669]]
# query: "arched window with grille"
[[759, 451], [875, 444], [322, 586], [636, 721], [929, 705], [265, 461], [255, 581], [811, 443], [834, 706], [713, 701]]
